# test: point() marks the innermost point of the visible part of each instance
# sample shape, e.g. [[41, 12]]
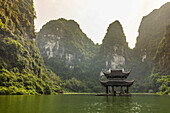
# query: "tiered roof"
[[117, 78], [116, 74]]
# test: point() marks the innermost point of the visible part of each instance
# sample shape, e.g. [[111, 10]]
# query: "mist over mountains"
[[63, 45]]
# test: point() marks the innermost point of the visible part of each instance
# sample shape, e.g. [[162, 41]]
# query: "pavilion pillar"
[[107, 91], [127, 90], [121, 90], [113, 89]]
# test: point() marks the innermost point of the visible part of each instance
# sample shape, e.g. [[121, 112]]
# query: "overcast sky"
[[94, 16]]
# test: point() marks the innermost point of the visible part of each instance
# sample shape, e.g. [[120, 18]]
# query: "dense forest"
[[160, 78], [151, 31], [61, 58], [22, 69], [67, 51]]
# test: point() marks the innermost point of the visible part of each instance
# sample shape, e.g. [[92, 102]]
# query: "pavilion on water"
[[116, 78]]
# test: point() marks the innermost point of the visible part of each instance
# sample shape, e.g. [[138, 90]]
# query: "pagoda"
[[117, 78]]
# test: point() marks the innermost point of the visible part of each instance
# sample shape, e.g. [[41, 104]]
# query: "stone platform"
[[113, 95]]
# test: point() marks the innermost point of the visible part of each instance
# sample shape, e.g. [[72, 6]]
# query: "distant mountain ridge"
[[113, 53], [77, 63], [114, 47], [64, 40], [66, 49], [70, 53], [151, 32], [152, 29]]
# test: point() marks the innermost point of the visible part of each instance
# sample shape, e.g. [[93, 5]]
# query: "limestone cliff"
[[65, 47], [114, 48], [160, 77], [151, 31], [70, 53], [162, 56]]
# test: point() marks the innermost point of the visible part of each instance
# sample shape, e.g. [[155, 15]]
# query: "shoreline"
[[132, 94], [74, 93]]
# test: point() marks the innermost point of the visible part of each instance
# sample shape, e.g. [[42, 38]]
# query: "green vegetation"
[[75, 85], [151, 31], [1, 24], [17, 18], [160, 83], [144, 61], [85, 74], [161, 73], [75, 60], [72, 54], [18, 84], [114, 42], [162, 56], [72, 48], [22, 69]]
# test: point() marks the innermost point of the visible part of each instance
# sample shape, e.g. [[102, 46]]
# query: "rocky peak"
[[114, 46], [63, 41], [115, 34], [151, 31]]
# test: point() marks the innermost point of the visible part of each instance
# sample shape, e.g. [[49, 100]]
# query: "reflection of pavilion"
[[115, 79]]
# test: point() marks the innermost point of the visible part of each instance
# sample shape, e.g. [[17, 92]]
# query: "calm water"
[[84, 104]]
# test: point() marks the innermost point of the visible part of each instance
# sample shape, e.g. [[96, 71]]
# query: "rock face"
[[70, 53], [162, 56], [114, 47], [63, 45], [151, 31], [22, 70], [160, 76]]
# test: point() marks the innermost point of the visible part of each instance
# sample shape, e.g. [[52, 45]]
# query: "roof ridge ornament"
[[116, 78]]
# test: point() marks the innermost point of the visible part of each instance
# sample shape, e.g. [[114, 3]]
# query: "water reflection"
[[84, 104], [115, 105]]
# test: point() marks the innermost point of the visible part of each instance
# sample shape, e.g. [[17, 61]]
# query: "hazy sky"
[[94, 16]]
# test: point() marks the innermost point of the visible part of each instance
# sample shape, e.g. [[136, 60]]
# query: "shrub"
[[4, 91], [47, 90], [150, 91], [1, 24], [39, 89]]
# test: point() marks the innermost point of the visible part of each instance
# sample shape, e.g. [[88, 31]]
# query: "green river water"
[[84, 104]]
